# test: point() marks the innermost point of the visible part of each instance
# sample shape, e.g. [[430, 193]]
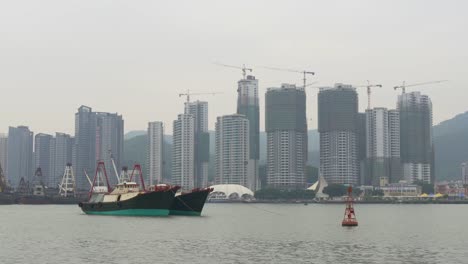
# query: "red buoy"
[[349, 215]]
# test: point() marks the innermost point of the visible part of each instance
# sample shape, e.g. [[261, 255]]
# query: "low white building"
[[230, 192]]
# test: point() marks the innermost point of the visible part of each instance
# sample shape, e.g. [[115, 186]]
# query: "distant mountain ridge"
[[134, 133]]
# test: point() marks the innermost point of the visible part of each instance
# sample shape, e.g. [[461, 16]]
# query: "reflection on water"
[[237, 233]]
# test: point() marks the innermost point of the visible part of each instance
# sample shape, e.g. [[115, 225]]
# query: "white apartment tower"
[[232, 151], [382, 147], [155, 152], [183, 152]]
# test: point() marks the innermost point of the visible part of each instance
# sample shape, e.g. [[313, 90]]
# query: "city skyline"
[[59, 55]]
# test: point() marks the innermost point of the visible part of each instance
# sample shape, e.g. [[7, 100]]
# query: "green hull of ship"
[[132, 212]]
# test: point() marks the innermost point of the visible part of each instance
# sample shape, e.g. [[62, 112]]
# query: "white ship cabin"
[[100, 189], [126, 187]]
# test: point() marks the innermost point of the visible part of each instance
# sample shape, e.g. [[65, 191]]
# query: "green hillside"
[[135, 152], [451, 147]]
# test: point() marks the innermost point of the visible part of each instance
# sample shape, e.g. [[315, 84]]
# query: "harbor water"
[[237, 233]]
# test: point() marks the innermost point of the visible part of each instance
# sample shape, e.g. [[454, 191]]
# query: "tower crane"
[[404, 85], [188, 94], [369, 86], [303, 72], [243, 68]]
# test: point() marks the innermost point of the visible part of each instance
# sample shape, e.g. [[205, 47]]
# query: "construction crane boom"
[[304, 73], [243, 68], [369, 86], [404, 85], [188, 94]]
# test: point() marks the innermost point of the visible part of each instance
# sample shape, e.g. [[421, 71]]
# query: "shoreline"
[[306, 202]]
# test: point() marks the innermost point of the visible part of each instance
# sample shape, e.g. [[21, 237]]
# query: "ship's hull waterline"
[[155, 203]]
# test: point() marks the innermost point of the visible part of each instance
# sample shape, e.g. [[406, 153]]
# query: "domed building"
[[230, 193]]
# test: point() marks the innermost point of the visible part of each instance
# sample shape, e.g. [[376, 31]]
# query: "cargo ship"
[[127, 198], [40, 194], [190, 203], [6, 197]]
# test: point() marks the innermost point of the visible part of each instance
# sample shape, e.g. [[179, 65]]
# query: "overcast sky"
[[134, 57]]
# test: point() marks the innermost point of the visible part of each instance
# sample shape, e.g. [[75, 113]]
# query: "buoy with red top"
[[349, 215]]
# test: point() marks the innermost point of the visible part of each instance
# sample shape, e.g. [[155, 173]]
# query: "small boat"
[[128, 199], [190, 203]]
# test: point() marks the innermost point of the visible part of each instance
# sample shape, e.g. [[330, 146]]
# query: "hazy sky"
[[134, 57]]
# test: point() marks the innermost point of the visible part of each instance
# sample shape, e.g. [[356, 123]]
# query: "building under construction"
[[286, 127], [247, 105], [416, 137], [339, 127]]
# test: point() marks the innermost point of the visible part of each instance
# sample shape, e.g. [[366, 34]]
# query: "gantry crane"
[[243, 68], [303, 72], [404, 85], [188, 94]]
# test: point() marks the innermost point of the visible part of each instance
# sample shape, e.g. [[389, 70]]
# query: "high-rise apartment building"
[[286, 128], [338, 125], [416, 148], [232, 151], [183, 152], [383, 146], [61, 154], [199, 111], [98, 136], [20, 155], [109, 141], [3, 151], [155, 152], [43, 147], [248, 105]]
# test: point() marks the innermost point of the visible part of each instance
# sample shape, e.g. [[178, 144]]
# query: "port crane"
[[303, 72], [243, 68], [404, 85], [188, 94]]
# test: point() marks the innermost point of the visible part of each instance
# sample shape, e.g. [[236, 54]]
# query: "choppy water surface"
[[237, 233]]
